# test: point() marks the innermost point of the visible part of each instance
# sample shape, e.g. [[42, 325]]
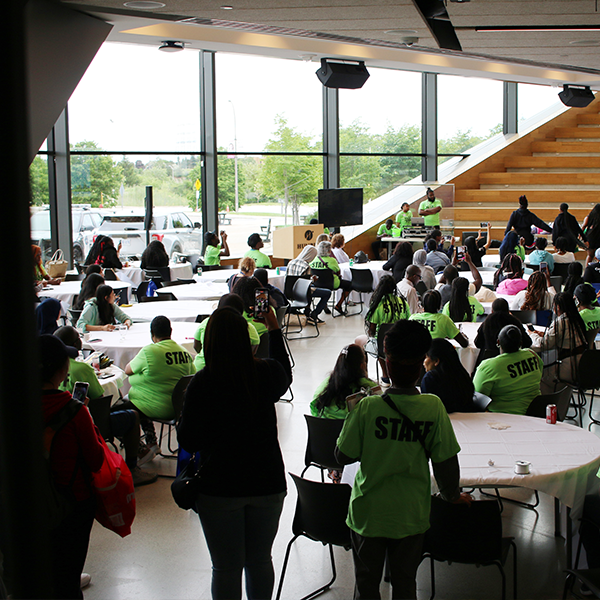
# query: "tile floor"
[[166, 557]]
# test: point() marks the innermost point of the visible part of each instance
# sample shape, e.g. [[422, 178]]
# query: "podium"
[[289, 241]]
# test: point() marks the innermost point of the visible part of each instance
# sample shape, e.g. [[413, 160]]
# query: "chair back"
[[533, 267], [141, 290], [420, 287], [193, 260], [561, 270], [167, 296], [362, 280], [110, 275], [589, 370], [383, 329], [560, 398], [301, 291], [74, 276], [324, 278], [100, 410], [543, 317], [464, 534], [288, 285], [178, 282], [74, 315], [525, 316], [178, 394], [556, 282], [281, 312], [215, 267], [322, 439], [321, 511], [480, 401], [165, 273]]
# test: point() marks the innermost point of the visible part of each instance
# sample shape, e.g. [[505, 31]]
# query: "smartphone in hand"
[[544, 267], [261, 301], [80, 390]]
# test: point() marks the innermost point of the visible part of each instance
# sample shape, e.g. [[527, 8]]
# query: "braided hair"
[[386, 294], [535, 295]]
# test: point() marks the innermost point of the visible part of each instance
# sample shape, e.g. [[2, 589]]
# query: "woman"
[[539, 294], [447, 378], [155, 256], [101, 313], [213, 250], [402, 257], [511, 379], [337, 248], [591, 228], [89, 287], [427, 273], [562, 255], [246, 288], [477, 248], [104, 253], [235, 431], [540, 254], [461, 306], [511, 245], [508, 279], [247, 266], [39, 273], [386, 306], [324, 260], [574, 277], [562, 344], [587, 304], [93, 269]]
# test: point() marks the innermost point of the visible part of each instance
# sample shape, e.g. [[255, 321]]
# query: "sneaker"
[[314, 319], [327, 311], [340, 310], [84, 580], [143, 477], [146, 454]]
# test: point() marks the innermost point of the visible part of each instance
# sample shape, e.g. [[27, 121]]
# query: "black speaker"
[[351, 75], [578, 97]]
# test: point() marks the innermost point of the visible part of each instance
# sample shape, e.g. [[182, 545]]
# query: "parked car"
[[174, 229], [84, 221]]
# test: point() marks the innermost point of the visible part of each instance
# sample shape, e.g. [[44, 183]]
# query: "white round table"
[[208, 290], [67, 290], [112, 384], [180, 310], [135, 275]]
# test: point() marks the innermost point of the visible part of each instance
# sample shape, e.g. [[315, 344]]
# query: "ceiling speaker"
[[347, 75], [578, 97]]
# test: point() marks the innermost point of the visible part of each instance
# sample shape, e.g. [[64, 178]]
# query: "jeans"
[[239, 533], [323, 296]]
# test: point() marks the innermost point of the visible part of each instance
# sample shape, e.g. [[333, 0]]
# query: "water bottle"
[[277, 270], [351, 262]]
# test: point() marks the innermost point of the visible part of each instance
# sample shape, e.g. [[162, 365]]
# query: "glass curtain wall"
[[532, 99]]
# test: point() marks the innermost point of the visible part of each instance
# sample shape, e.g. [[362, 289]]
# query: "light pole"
[[235, 158]]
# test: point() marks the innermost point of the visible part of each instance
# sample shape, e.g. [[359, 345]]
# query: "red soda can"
[[551, 414]]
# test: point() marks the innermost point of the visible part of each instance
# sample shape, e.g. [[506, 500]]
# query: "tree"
[[399, 169], [38, 178], [226, 181], [131, 175]]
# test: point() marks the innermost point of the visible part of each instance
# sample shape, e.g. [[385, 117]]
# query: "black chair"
[[561, 270], [481, 401], [543, 317], [281, 312], [100, 410], [588, 379], [362, 282], [263, 347], [320, 446], [321, 510], [215, 267], [81, 268], [74, 276], [166, 297], [560, 398], [74, 315], [178, 282], [469, 535], [381, 332], [525, 316], [325, 281], [301, 299], [141, 290], [193, 260], [588, 577], [532, 267], [421, 288], [556, 282], [110, 275], [288, 285]]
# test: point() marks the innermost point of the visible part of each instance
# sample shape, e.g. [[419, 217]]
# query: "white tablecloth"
[[134, 274], [181, 310], [376, 268], [490, 260], [112, 384], [67, 290], [487, 277], [205, 290]]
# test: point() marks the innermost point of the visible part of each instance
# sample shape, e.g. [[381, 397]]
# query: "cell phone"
[[530, 327], [543, 266], [483, 225], [261, 301], [80, 390], [460, 252], [104, 375], [448, 238]]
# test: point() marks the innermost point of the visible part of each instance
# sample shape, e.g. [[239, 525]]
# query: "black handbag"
[[186, 486]]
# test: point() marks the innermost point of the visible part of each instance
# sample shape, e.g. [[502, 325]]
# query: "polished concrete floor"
[[166, 557]]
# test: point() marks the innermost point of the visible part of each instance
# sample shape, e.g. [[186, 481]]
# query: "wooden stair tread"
[[541, 178]]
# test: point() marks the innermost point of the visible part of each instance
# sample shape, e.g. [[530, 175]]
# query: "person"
[[349, 375], [92, 269], [436, 234], [324, 260], [325, 228], [276, 296], [508, 279], [323, 237], [511, 379], [385, 230], [540, 254], [574, 277], [247, 267], [438, 324], [246, 288], [89, 289], [213, 250], [125, 424], [566, 225], [511, 244], [39, 272], [47, 311], [337, 248], [461, 306], [591, 228], [237, 429], [390, 501], [406, 288], [300, 267], [101, 313], [477, 247], [487, 334], [562, 255], [104, 253], [153, 374], [260, 258], [76, 452], [446, 378], [450, 273], [430, 209], [427, 273], [400, 259], [386, 306], [522, 219], [236, 303], [435, 259], [404, 217], [587, 304], [592, 269], [562, 344], [154, 256], [538, 295]]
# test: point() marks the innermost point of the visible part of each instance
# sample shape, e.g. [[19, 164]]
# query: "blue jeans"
[[323, 296], [239, 533]]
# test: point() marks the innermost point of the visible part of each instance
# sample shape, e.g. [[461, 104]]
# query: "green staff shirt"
[[80, 371], [156, 370], [404, 219], [438, 325], [333, 265], [212, 255], [389, 310], [260, 258], [333, 411], [392, 490], [475, 309], [431, 220], [591, 318], [511, 380], [383, 230]]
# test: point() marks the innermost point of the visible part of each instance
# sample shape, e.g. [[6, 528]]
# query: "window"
[[532, 99]]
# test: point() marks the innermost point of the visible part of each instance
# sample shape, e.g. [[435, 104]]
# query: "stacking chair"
[[588, 577], [141, 290], [288, 285], [321, 511], [556, 282], [543, 317], [281, 313], [588, 378], [469, 535], [300, 300], [362, 282], [110, 275], [100, 410], [325, 280], [561, 270], [167, 296], [74, 315], [383, 329], [178, 282], [320, 446], [525, 316], [74, 276], [155, 275], [215, 267], [560, 398]]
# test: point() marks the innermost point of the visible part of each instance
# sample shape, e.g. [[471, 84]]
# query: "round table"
[[112, 384], [134, 274], [180, 310], [205, 290], [376, 268], [67, 290]]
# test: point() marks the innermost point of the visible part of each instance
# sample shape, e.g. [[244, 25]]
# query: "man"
[[260, 258], [566, 225], [430, 208], [435, 259], [592, 271], [153, 374], [386, 229], [213, 250], [394, 437], [521, 221], [406, 287], [444, 287], [404, 217]]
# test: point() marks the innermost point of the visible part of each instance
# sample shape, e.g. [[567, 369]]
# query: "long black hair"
[[574, 277], [94, 250], [348, 371], [511, 268], [459, 306], [386, 292], [593, 218], [566, 304], [154, 256], [508, 245], [89, 287], [450, 370], [106, 310]]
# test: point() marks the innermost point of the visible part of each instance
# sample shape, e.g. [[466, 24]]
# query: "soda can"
[[551, 414]]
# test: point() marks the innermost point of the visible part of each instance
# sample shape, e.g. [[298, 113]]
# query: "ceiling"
[[310, 29]]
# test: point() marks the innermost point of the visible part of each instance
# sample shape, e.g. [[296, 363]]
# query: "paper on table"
[[499, 426]]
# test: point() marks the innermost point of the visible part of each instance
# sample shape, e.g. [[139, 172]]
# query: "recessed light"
[[144, 4], [171, 46], [227, 7], [403, 32], [585, 43]]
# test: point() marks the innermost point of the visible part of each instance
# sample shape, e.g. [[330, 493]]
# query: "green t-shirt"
[[199, 362], [438, 325], [258, 326], [475, 306], [80, 371], [431, 220], [389, 310], [333, 411], [332, 263], [383, 230], [404, 219], [512, 381], [212, 255], [591, 318], [156, 370], [392, 489], [260, 258]]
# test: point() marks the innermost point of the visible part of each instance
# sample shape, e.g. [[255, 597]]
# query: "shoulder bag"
[[186, 485], [57, 265]]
